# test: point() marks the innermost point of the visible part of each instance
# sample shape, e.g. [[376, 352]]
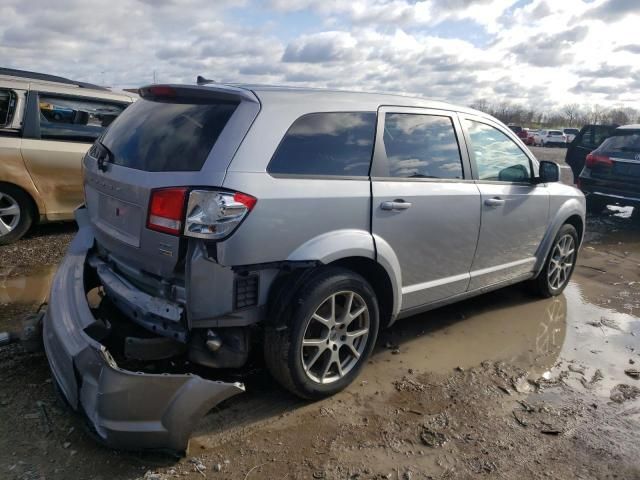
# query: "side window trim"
[[533, 163], [380, 153], [32, 112]]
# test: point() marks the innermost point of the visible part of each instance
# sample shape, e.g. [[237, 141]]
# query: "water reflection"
[[507, 325], [25, 289]]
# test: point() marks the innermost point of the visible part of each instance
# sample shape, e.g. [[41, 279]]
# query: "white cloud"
[[544, 53]]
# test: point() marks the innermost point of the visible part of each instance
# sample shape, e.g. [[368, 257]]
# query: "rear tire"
[[559, 265], [16, 213], [327, 335]]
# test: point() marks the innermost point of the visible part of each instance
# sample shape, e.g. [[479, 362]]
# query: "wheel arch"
[[571, 212], [379, 280], [357, 250]]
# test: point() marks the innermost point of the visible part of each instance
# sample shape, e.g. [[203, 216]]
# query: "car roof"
[[327, 99], [633, 126], [22, 79]]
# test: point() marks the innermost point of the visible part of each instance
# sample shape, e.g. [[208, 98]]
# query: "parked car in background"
[[570, 133], [550, 138], [296, 221], [519, 131], [47, 124], [611, 174], [531, 133], [588, 139]]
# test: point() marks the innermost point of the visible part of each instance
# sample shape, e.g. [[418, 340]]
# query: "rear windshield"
[[626, 143], [554, 132], [571, 131], [166, 137]]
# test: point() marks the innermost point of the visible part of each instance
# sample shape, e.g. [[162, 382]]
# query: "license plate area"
[[120, 219]]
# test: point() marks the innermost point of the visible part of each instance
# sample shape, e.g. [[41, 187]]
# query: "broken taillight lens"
[[166, 210], [216, 214]]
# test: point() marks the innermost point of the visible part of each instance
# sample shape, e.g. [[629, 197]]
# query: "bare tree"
[[571, 112]]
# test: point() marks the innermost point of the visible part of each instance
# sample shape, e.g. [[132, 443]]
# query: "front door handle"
[[397, 204], [494, 202]]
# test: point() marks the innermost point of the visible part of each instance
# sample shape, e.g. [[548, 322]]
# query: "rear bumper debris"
[[128, 410]]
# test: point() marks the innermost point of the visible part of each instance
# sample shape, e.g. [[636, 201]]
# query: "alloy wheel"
[[9, 214], [561, 262], [335, 337]]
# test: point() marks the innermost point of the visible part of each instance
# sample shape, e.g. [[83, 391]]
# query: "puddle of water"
[[600, 339], [25, 289], [543, 337], [21, 295], [508, 325]]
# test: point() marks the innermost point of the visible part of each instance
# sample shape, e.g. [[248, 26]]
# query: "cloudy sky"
[[533, 52]]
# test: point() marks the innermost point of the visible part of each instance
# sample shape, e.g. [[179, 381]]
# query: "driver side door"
[[514, 210]]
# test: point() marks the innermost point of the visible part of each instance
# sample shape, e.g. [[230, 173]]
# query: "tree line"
[[570, 115]]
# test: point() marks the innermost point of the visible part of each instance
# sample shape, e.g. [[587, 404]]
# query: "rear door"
[[62, 129], [171, 137], [589, 138], [425, 203], [515, 211]]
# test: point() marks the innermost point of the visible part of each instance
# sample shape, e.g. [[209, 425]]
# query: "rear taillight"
[[216, 214], [166, 210], [600, 160]]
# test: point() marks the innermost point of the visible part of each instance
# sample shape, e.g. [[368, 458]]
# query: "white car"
[[550, 138], [570, 133]]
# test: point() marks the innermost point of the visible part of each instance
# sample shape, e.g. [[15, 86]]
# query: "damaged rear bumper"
[[129, 410]]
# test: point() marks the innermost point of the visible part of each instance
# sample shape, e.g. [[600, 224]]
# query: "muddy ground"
[[502, 386]]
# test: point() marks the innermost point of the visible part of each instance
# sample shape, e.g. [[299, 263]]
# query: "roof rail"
[[47, 78]]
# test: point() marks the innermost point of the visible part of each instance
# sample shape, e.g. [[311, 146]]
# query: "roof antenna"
[[203, 81]]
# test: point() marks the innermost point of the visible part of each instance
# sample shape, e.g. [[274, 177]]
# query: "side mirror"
[[549, 172]]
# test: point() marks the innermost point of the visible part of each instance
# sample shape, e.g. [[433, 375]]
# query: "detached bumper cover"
[[127, 410]]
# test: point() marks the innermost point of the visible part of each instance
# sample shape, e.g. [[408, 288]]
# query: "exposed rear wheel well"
[[377, 276], [576, 221]]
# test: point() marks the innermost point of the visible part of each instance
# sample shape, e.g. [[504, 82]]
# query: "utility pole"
[[154, 76]]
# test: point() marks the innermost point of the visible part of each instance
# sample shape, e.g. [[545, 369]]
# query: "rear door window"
[[421, 146], [159, 136], [327, 144], [76, 119], [7, 107]]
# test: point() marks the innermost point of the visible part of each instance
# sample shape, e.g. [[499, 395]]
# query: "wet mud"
[[505, 385]]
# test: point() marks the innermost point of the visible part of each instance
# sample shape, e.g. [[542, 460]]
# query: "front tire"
[[560, 263], [16, 214], [328, 335]]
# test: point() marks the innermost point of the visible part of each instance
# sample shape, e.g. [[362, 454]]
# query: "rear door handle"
[[494, 202], [395, 205]]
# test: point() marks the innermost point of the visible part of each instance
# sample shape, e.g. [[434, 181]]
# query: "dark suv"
[[611, 173], [589, 138]]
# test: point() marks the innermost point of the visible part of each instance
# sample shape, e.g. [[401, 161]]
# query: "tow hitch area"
[[126, 409]]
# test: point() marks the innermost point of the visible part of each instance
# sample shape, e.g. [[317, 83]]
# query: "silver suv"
[[223, 219]]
